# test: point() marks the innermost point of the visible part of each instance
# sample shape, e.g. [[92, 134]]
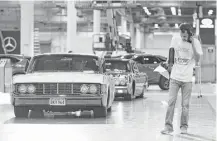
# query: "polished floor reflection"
[[141, 119]]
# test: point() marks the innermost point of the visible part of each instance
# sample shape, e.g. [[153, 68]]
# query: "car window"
[[135, 68], [161, 58], [150, 60], [117, 66], [65, 63], [139, 59]]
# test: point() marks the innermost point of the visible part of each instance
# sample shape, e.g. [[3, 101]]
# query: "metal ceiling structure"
[[51, 15]]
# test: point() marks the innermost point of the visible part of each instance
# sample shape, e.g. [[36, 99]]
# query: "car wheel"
[[21, 112], [128, 97], [164, 83], [37, 114], [109, 109], [100, 112], [142, 94]]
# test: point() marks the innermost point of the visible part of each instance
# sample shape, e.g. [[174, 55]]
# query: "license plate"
[[120, 91], [57, 101]]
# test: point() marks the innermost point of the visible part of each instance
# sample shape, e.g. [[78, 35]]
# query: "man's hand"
[[192, 39], [167, 66]]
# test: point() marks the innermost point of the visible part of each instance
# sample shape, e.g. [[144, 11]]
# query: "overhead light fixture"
[[179, 12], [173, 10], [176, 25], [63, 12], [146, 10], [156, 26], [210, 12]]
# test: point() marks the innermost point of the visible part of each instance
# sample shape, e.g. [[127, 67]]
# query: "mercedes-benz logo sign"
[[10, 44]]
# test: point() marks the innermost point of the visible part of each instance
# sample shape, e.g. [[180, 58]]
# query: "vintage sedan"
[[129, 82], [63, 83]]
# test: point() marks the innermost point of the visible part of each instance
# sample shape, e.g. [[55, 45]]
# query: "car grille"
[[59, 88]]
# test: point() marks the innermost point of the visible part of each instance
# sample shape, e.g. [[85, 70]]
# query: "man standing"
[[187, 51]]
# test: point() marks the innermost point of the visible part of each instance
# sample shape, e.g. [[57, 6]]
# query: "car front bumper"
[[121, 91], [76, 101]]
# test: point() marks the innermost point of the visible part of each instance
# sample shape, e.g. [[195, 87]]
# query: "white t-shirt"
[[184, 59]]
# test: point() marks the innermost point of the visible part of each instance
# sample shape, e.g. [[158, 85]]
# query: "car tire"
[[128, 97], [164, 83], [109, 109], [21, 111], [100, 112], [37, 114], [142, 94]]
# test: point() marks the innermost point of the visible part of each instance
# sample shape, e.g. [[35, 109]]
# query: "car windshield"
[[128, 56], [62, 63], [116, 66]]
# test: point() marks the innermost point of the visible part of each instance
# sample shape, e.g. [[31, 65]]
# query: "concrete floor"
[[139, 120]]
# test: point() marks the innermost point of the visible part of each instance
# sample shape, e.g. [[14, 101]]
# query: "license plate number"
[[57, 101]]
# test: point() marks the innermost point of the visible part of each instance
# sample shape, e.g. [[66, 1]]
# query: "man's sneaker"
[[166, 131], [183, 130]]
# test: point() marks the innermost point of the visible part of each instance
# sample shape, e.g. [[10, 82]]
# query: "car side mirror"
[[19, 73]]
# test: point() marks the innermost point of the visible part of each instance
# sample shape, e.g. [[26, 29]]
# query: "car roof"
[[118, 59], [18, 56], [81, 54]]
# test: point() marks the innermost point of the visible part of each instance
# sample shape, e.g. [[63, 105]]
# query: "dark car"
[[19, 62], [148, 63], [129, 81]]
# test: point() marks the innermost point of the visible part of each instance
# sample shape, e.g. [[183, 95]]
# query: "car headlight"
[[31, 89], [93, 89], [84, 89], [122, 82], [117, 82], [22, 89]]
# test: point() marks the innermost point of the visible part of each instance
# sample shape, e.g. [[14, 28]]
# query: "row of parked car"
[[147, 63], [70, 82]]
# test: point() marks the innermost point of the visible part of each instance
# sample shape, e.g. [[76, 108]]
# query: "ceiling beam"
[[183, 4], [169, 19]]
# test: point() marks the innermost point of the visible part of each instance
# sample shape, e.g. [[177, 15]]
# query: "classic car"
[[18, 62], [63, 83], [148, 63], [129, 82]]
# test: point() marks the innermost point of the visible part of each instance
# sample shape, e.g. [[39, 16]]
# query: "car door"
[[148, 63], [138, 80]]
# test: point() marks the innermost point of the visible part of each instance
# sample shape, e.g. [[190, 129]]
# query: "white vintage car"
[[63, 83]]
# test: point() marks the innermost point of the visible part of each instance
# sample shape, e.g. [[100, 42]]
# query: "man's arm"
[[197, 49]]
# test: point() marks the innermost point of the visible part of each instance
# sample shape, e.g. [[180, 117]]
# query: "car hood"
[[117, 73], [59, 77]]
